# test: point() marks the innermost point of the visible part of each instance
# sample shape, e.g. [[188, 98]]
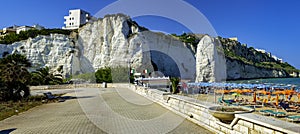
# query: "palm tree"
[[44, 77], [14, 77]]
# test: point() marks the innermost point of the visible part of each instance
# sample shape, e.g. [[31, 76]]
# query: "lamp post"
[[129, 72]]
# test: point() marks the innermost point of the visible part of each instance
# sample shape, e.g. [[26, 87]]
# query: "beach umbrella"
[[236, 91], [277, 99], [278, 92], [247, 91], [262, 92], [288, 92], [254, 97]]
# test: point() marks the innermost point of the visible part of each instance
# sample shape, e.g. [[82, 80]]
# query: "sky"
[[272, 25]]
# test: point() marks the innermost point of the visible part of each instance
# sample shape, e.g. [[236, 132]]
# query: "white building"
[[23, 28], [18, 29], [76, 18]]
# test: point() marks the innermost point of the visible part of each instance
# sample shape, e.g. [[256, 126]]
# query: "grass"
[[10, 108]]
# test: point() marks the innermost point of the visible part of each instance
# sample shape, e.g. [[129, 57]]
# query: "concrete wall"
[[197, 112]]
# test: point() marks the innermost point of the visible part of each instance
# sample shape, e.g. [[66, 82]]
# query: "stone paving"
[[110, 110]]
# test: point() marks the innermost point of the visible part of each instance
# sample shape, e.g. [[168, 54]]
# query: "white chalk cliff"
[[116, 40], [210, 61]]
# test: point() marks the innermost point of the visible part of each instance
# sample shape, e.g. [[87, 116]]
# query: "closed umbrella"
[[254, 97], [277, 99]]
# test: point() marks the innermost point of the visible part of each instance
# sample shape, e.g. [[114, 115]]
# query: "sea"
[[283, 81]]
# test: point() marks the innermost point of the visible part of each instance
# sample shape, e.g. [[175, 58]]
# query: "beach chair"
[[278, 114], [50, 96], [226, 102], [293, 118], [266, 112], [273, 113]]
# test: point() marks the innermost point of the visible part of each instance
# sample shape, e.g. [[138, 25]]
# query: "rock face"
[[210, 61], [55, 51], [239, 70], [116, 40]]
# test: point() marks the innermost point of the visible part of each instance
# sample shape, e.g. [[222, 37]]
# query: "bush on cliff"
[[23, 35]]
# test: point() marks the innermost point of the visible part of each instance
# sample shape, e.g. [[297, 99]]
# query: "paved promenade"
[[110, 110]]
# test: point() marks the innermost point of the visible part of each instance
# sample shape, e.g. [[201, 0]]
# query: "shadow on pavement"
[[7, 131]]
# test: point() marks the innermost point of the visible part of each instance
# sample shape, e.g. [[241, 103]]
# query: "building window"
[[70, 18], [70, 24], [70, 12]]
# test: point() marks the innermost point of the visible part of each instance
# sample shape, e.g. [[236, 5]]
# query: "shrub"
[[175, 82], [23, 35], [116, 74], [103, 75], [14, 77]]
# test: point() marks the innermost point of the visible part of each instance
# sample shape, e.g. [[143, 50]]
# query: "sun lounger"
[[294, 118], [273, 113], [227, 102], [278, 114], [266, 112]]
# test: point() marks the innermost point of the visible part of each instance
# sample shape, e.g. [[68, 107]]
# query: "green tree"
[[103, 75], [44, 77], [14, 77]]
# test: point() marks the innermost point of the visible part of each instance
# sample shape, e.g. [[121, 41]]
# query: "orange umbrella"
[[247, 91], [288, 92], [262, 92], [278, 92], [236, 91]]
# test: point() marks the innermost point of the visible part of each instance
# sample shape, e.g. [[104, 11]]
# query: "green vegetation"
[[11, 108], [188, 38], [115, 74], [253, 57], [44, 77], [14, 77], [103, 75], [23, 35], [236, 51], [175, 81], [87, 77]]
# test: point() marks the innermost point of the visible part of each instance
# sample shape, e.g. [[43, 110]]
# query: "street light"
[[129, 72]]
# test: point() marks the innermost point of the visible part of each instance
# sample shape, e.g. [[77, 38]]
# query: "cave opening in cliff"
[[164, 64]]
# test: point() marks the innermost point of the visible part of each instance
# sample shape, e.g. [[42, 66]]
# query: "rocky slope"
[[116, 40]]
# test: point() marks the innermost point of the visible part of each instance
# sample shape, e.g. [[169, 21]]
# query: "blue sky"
[[266, 24]]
